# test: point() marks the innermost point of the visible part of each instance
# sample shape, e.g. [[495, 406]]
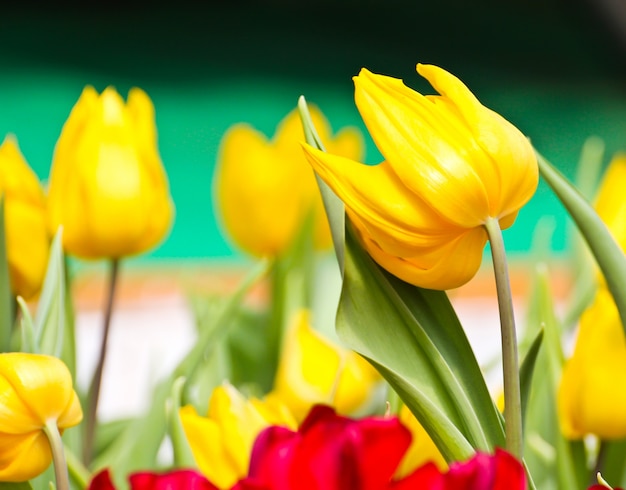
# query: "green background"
[[554, 69]]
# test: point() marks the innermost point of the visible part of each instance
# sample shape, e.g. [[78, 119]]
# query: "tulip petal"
[[511, 174], [428, 156], [446, 267], [398, 218], [589, 399], [23, 456]]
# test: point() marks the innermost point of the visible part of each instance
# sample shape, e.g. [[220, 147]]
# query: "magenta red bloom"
[[332, 452]]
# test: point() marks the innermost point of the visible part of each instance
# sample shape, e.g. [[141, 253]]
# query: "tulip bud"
[[222, 441], [313, 370], [35, 389], [26, 235], [265, 189], [108, 187]]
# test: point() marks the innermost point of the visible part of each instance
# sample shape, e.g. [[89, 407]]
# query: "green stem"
[[96, 382], [600, 459], [79, 474], [58, 455], [510, 362]]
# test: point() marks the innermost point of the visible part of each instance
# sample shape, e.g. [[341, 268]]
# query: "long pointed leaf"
[[608, 254], [6, 296]]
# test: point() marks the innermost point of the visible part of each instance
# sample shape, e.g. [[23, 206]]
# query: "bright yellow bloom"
[[34, 390], [265, 189], [610, 202], [26, 234], [450, 165], [108, 187], [592, 393], [422, 448], [222, 442], [313, 370]]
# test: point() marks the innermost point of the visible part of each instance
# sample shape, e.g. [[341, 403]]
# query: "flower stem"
[[96, 382], [510, 362], [58, 455]]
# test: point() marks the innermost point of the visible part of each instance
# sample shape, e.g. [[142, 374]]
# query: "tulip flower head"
[[450, 165], [222, 441], [108, 188], [313, 370], [26, 234], [610, 203], [266, 190], [591, 397], [35, 390]]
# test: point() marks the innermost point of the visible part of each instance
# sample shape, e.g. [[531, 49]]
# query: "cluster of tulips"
[[396, 399]]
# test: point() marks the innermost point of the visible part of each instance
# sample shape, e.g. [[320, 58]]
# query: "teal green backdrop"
[[552, 69]]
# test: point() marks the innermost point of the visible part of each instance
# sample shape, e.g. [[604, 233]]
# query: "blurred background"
[[555, 68]]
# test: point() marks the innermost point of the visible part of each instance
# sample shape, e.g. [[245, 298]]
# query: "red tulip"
[[173, 480]]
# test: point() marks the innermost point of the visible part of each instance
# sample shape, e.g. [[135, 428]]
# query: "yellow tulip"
[[592, 393], [108, 188], [222, 442], [265, 189], [450, 165], [313, 370], [610, 203], [34, 390], [422, 449], [26, 235]]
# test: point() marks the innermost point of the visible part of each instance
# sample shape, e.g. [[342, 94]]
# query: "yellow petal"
[[397, 218], [23, 457], [446, 267], [508, 167], [313, 370], [610, 203], [258, 193], [591, 398], [206, 439], [428, 155], [42, 384], [26, 233]]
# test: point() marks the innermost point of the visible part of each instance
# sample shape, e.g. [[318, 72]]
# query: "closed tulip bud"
[[591, 396], [450, 165], [313, 370], [26, 234], [108, 187], [266, 190], [222, 441], [35, 390]]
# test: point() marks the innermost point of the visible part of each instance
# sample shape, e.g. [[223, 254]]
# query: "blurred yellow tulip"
[[34, 390], [108, 187], [450, 165], [422, 449], [26, 234], [611, 202], [592, 392], [265, 189], [222, 442], [313, 370]]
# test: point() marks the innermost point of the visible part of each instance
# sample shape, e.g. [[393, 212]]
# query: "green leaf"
[[53, 328], [7, 314], [608, 254], [332, 204], [28, 337], [527, 369], [15, 486], [183, 456], [415, 339]]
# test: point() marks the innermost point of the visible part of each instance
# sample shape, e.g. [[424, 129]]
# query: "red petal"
[[426, 477], [102, 481], [174, 480]]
